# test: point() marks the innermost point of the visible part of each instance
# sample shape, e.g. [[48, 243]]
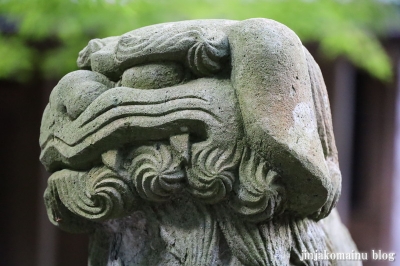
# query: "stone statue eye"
[[153, 76]]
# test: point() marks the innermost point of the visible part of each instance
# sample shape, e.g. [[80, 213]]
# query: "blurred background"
[[356, 43]]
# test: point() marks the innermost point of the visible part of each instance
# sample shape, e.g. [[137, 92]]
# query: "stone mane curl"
[[235, 177]]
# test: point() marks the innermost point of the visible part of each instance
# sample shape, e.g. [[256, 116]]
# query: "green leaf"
[[16, 59]]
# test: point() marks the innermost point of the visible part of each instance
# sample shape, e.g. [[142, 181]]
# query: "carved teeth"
[[180, 146]]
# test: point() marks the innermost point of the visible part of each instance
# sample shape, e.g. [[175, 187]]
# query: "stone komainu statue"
[[205, 142]]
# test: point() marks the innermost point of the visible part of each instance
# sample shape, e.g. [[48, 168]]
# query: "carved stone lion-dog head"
[[208, 118]]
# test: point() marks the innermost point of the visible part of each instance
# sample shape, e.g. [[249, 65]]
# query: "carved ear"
[[273, 86], [325, 131]]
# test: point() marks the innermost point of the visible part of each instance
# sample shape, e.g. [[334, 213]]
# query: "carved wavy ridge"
[[157, 103], [110, 101], [91, 122], [58, 152], [128, 111]]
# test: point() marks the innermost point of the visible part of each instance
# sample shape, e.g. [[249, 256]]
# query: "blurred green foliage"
[[50, 33]]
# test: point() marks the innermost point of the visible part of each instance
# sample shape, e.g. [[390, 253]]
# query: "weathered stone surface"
[[204, 142]]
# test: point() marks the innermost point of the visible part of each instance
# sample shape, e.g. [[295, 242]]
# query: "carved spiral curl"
[[212, 174], [205, 57], [258, 196], [156, 172], [96, 195]]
